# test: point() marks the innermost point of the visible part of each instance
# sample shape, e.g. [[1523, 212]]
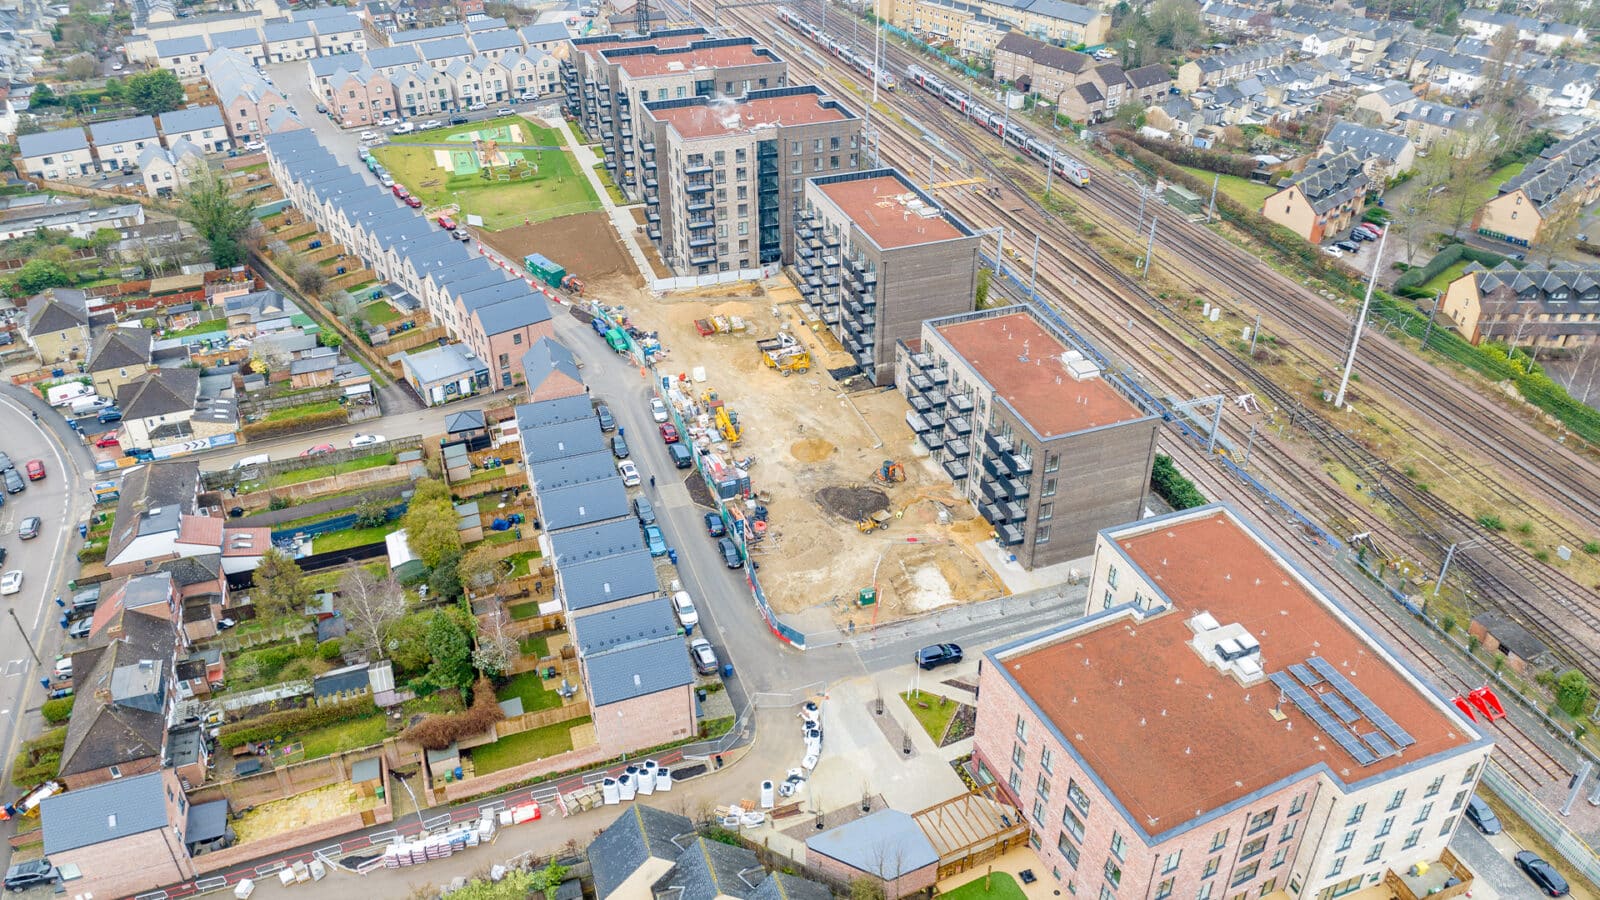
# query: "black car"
[[619, 447], [1360, 234], [1348, 246], [5, 463], [1479, 814], [458, 120], [714, 526], [603, 413], [682, 456], [14, 482], [1542, 873], [645, 512], [730, 553], [22, 876], [937, 655]]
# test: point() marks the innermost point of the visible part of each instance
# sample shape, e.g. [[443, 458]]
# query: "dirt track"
[[585, 244]]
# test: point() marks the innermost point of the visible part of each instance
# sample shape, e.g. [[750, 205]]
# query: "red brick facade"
[[648, 721]]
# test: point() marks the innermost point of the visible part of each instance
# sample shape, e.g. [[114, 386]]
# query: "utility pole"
[[1033, 278], [1049, 170], [1140, 225], [1000, 253], [1248, 444], [1213, 210], [1361, 321], [25, 639], [1150, 248], [1255, 333], [1434, 312], [1450, 555]]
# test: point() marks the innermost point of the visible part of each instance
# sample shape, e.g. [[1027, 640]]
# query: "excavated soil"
[[852, 503]]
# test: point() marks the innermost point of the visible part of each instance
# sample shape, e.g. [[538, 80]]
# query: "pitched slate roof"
[[1365, 141], [1331, 180], [445, 47], [570, 471], [562, 439], [583, 503], [1555, 287], [188, 571], [1571, 163], [1140, 79], [159, 393], [1048, 55], [782, 886], [45, 143], [640, 834], [104, 812], [168, 483], [103, 732], [137, 128], [598, 582], [58, 309], [887, 844], [612, 629], [119, 348], [549, 32], [179, 46], [546, 356], [708, 869], [191, 119]]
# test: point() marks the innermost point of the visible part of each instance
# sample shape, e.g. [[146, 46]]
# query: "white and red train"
[[865, 66], [1009, 132]]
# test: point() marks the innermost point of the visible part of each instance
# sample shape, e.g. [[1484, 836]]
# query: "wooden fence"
[[542, 717]]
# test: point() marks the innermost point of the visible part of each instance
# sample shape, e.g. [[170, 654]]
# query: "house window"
[[1042, 787], [1170, 864], [1164, 890], [1118, 848], [1017, 758], [1042, 536], [1212, 865], [516, 339], [1204, 893], [1385, 826], [1113, 872], [1016, 781], [1244, 874], [1337, 867], [1288, 831], [1460, 798], [1423, 814], [1356, 814], [1071, 822], [1412, 838], [1433, 788], [1038, 812], [1261, 820], [1253, 848], [1047, 761], [1395, 801], [1219, 840], [1280, 857], [1067, 849], [1346, 841], [1078, 797], [116, 772]]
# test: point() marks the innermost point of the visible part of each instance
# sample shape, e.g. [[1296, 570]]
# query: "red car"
[[412, 201], [318, 450], [35, 469], [109, 439], [669, 433], [447, 223], [399, 190]]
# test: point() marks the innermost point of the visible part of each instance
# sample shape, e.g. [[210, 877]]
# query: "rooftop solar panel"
[[1323, 719], [1305, 675], [1339, 707], [1363, 704], [1379, 744]]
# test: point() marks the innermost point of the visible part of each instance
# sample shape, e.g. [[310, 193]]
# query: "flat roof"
[[1173, 738], [629, 40], [883, 209], [1021, 360], [725, 117], [644, 65]]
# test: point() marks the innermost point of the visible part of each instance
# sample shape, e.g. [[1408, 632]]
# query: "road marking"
[[13, 668]]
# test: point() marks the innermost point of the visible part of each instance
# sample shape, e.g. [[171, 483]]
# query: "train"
[[1010, 133], [880, 74]]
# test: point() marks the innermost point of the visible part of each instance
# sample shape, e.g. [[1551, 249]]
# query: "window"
[[1244, 874], [1111, 576], [1219, 840], [1337, 867], [116, 772], [1042, 536], [1460, 798], [1078, 797], [1050, 491], [1046, 511], [1386, 826], [1204, 893], [1212, 865], [1038, 812], [1412, 838], [1449, 825], [1072, 823], [1423, 814], [1280, 857], [1047, 761], [1434, 786], [1118, 848], [1346, 841], [1043, 788], [1261, 820], [1395, 801], [1113, 872], [1164, 890], [1253, 848], [1105, 893], [1052, 462], [1472, 772], [1067, 849], [516, 339], [1375, 852], [1356, 814], [1022, 736], [1171, 862], [1268, 886], [1015, 781], [1288, 831]]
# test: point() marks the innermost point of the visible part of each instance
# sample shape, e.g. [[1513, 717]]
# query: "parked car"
[[1361, 234], [413, 201], [714, 525], [11, 582], [688, 616], [387, 121], [658, 410], [1348, 246], [477, 107], [6, 463], [682, 456], [371, 136], [80, 628], [461, 234], [669, 432], [30, 874], [1479, 814], [655, 540], [405, 128], [447, 223], [1374, 230], [1542, 873], [730, 553], [430, 125], [641, 508], [386, 180], [458, 120], [629, 473], [322, 108], [608, 422], [366, 440], [35, 469], [109, 439], [29, 529], [505, 111], [705, 658], [937, 655], [400, 191], [619, 447], [318, 450], [1332, 250], [14, 482], [109, 414]]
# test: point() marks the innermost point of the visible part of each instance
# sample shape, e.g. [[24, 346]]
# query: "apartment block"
[[1324, 199], [1568, 172], [731, 172], [589, 81], [1044, 445], [1048, 20], [877, 257], [1219, 725]]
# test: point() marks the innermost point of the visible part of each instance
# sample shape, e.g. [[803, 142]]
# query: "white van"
[[62, 394], [64, 667], [82, 406], [260, 459]]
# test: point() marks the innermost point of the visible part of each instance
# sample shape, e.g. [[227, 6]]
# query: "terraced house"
[[1552, 305], [1230, 66], [1324, 199], [1052, 21], [1568, 172]]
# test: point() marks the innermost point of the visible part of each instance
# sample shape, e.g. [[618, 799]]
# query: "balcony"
[[700, 206], [995, 465], [931, 439], [955, 468], [611, 164], [699, 169], [957, 448], [695, 224], [961, 403], [1022, 465], [649, 183], [958, 424], [940, 377], [917, 422], [603, 88], [919, 404], [1009, 535], [698, 242], [697, 186], [998, 443], [703, 259], [920, 383], [651, 199], [1018, 488], [648, 146], [654, 232], [653, 216], [937, 398]]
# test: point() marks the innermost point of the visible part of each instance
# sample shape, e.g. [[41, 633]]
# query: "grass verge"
[[935, 719], [310, 473], [995, 886], [333, 739], [531, 690], [526, 746]]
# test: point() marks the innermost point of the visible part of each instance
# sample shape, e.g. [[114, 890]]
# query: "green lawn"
[[521, 563], [349, 537], [332, 739], [379, 313], [1442, 280], [205, 327], [522, 611], [1243, 191], [1485, 188], [533, 693], [1001, 887], [535, 646], [935, 719], [304, 409], [312, 472], [611, 184], [516, 749], [557, 189]]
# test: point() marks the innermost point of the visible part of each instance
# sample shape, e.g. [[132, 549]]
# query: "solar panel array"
[[1339, 707], [1305, 675], [1323, 719], [1379, 743], [1362, 703]]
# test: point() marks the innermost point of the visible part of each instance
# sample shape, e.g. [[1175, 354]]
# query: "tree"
[[430, 523], [370, 605], [371, 512], [42, 97], [156, 92], [222, 221], [1560, 224], [310, 277], [451, 652], [81, 67], [330, 338], [444, 582], [36, 276], [280, 587], [1572, 692], [406, 641], [497, 647], [481, 567]]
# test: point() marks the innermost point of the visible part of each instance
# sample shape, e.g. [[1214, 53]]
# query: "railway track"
[[1508, 577], [1101, 284]]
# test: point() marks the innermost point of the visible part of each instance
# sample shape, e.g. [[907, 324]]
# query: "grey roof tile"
[[45, 143], [105, 812], [638, 670], [585, 503], [577, 545], [707, 870], [598, 582], [640, 834]]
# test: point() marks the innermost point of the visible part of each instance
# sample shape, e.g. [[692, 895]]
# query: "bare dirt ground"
[[301, 810], [817, 449], [585, 244]]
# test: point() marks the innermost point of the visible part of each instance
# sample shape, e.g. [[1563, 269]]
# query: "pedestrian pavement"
[[621, 217]]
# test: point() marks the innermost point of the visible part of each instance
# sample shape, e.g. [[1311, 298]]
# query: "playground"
[[509, 171]]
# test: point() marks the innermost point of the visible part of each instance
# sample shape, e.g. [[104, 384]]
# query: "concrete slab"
[[1019, 580]]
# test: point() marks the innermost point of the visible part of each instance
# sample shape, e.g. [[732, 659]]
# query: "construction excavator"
[[890, 472], [727, 421]]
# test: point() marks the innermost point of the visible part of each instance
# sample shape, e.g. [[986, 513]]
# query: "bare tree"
[[1560, 223], [480, 568], [370, 605], [497, 647]]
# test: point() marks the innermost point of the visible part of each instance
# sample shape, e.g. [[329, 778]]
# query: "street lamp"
[[25, 639]]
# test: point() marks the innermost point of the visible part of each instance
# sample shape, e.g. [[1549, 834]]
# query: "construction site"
[[859, 527]]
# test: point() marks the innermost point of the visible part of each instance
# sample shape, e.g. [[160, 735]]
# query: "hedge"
[[438, 731], [283, 725], [1171, 486], [256, 431], [57, 711], [1211, 160], [1409, 282]]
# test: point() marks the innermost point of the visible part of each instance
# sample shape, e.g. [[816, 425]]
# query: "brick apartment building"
[[589, 79], [1324, 199], [731, 171], [877, 256], [1219, 726], [1044, 445]]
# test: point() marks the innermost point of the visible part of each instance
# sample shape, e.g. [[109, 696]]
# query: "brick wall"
[[100, 776], [494, 781], [648, 721], [129, 865], [909, 883], [326, 830]]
